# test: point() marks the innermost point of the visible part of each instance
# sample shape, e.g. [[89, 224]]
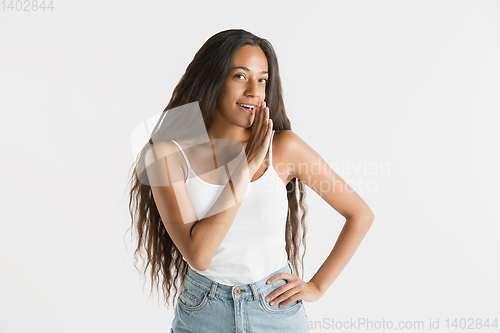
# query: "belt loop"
[[254, 291], [212, 290]]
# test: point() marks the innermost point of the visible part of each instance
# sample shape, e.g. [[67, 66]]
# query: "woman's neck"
[[237, 134]]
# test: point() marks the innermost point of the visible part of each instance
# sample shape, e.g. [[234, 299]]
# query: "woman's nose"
[[253, 89]]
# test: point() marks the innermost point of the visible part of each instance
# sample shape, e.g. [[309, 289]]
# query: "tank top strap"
[[183, 154], [271, 149]]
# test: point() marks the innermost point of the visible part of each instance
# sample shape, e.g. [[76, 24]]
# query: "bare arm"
[[353, 232], [305, 162], [199, 240], [208, 233]]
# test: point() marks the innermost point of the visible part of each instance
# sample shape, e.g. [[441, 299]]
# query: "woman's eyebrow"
[[246, 69]]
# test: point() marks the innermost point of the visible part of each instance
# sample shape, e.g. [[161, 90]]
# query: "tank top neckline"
[[209, 184], [190, 170]]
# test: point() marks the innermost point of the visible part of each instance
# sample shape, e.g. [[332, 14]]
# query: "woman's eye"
[[243, 76]]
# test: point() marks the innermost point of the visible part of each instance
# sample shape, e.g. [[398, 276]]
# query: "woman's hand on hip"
[[293, 290]]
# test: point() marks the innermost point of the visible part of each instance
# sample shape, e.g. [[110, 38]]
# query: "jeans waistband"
[[253, 289]]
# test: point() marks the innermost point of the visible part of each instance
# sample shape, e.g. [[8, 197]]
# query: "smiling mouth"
[[247, 108]]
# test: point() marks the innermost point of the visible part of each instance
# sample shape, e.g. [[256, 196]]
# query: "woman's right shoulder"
[[159, 150]]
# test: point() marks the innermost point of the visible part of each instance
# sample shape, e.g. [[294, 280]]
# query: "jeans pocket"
[[275, 309], [192, 297]]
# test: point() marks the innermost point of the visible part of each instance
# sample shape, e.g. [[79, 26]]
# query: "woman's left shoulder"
[[290, 152], [291, 149], [284, 135], [287, 141]]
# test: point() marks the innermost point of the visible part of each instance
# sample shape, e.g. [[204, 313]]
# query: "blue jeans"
[[207, 306]]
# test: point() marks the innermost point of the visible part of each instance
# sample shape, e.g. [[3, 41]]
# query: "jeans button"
[[236, 291]]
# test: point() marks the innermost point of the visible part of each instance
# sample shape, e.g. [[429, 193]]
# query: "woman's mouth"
[[250, 109]]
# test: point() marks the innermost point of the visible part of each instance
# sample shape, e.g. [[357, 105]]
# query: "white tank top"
[[254, 246]]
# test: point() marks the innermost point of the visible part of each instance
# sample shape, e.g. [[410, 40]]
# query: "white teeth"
[[248, 106]]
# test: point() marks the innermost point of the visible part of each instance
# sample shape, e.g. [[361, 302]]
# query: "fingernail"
[[272, 303], [267, 299], [268, 281]]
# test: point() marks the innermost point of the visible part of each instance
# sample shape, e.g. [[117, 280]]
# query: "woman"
[[215, 198]]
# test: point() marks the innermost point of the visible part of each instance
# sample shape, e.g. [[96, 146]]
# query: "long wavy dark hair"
[[202, 82]]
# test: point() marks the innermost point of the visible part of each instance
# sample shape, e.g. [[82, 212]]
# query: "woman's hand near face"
[[258, 141]]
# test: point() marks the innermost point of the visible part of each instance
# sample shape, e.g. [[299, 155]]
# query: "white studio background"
[[400, 97]]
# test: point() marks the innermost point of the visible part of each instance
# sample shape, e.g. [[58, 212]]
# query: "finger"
[[269, 126], [265, 128], [262, 126], [274, 296], [264, 117], [258, 118], [280, 276], [281, 290], [258, 110], [256, 124], [268, 114], [283, 297], [265, 123], [255, 118], [290, 300]]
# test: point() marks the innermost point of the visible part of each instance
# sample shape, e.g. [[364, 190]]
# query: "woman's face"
[[245, 84]]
